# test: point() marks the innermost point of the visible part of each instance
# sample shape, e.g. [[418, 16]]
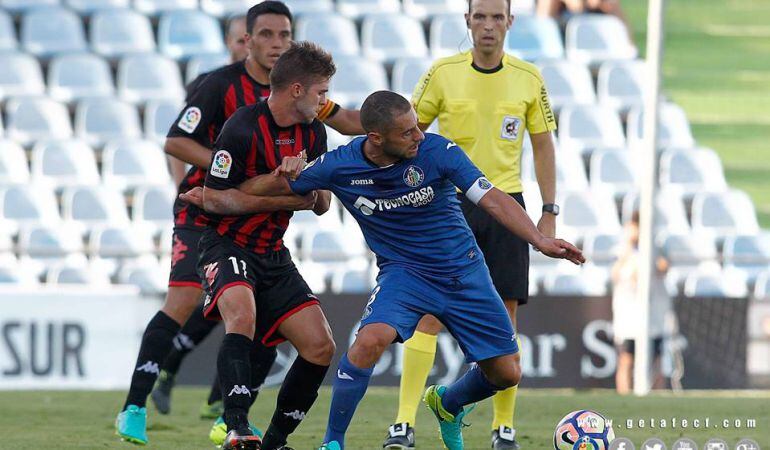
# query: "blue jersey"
[[408, 211]]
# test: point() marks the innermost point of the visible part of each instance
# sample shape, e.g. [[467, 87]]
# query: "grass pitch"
[[84, 420]]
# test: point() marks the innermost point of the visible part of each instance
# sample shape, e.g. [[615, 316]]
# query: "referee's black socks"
[[297, 395], [156, 343], [235, 378]]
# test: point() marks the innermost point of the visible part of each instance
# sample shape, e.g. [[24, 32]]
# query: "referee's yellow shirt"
[[486, 111]]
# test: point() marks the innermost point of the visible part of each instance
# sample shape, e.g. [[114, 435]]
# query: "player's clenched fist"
[[558, 248], [291, 166]]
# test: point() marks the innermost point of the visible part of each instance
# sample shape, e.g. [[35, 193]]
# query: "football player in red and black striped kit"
[[217, 96], [250, 280]]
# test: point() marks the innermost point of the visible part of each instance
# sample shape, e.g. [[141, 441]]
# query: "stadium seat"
[[44, 246], [588, 211], [13, 272], [148, 275], [89, 206], [87, 7], [115, 33], [691, 171], [76, 76], [621, 84], [567, 83], [533, 37], [325, 246], [601, 249], [406, 74], [76, 272], [199, 64], [386, 37], [59, 164], [588, 281], [747, 253], [128, 164], [21, 75], [583, 127], [99, 120], [673, 128], [13, 163], [307, 7], [592, 39], [20, 6], [355, 79], [226, 8], [7, 33], [315, 275], [155, 7], [762, 286], [448, 35], [335, 33], [158, 117], [421, 9], [724, 213], [119, 241], [686, 254], [357, 8], [669, 210], [711, 284], [613, 171], [570, 172], [35, 118], [182, 34], [50, 31], [152, 207], [351, 281], [23, 205], [149, 77]]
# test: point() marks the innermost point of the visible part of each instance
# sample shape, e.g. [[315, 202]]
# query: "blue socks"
[[348, 389], [470, 388]]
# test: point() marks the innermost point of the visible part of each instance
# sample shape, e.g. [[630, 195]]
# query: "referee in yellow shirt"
[[484, 100]]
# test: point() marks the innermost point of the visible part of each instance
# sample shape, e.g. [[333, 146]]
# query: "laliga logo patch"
[[510, 128], [220, 166], [413, 176], [190, 119]]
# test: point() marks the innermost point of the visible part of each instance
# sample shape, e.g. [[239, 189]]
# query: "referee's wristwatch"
[[551, 208]]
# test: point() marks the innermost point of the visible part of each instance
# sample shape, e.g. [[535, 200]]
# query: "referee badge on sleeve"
[[510, 128]]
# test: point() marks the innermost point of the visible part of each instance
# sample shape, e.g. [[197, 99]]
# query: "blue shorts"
[[467, 304]]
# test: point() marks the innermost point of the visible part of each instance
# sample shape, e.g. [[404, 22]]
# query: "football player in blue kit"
[[399, 185]]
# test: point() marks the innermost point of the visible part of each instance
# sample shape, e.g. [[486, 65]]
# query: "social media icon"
[[622, 444], [654, 444], [685, 444], [715, 444], [747, 444]]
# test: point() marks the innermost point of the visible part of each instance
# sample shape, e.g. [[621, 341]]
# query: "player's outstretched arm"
[[235, 202], [513, 217], [346, 121]]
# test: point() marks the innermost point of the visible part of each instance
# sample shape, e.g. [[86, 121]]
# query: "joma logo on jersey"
[[363, 182]]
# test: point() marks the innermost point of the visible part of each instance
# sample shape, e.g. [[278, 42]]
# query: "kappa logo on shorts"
[[211, 271], [190, 119]]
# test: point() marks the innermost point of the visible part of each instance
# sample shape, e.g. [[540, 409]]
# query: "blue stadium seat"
[[570, 171], [156, 7], [592, 39], [119, 241], [75, 76], [532, 38], [673, 127], [152, 207], [98, 120], [87, 7], [226, 8], [147, 274], [7, 32], [306, 7], [52, 30], [715, 284], [149, 77], [358, 8], [724, 213], [448, 35], [20, 6], [42, 247], [568, 83], [621, 84], [691, 170], [406, 74], [34, 118], [749, 254], [613, 171], [584, 127], [24, 205], [355, 79], [89, 206], [199, 64], [21, 75], [601, 249], [588, 281], [128, 164], [77, 273], [588, 211], [158, 117], [669, 206], [115, 33], [59, 164], [387, 37], [182, 34], [336, 34], [351, 281], [421, 9], [13, 163]]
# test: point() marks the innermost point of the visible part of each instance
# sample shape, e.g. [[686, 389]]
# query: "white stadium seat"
[[21, 75], [308, 7], [568, 83], [22, 205], [158, 117], [601, 249], [748, 253], [86, 7], [13, 272], [76, 272], [351, 281], [7, 32], [35, 118], [13, 163], [570, 172], [595, 38], [72, 77], [406, 74], [621, 84], [762, 286], [335, 33], [52, 30], [533, 37], [155, 7], [18, 6], [588, 211], [724, 213], [148, 275], [182, 34], [686, 254], [59, 164], [226, 8], [149, 77], [673, 127], [51, 240], [669, 208], [583, 127], [614, 171], [99, 120], [153, 206], [129, 164], [115, 33], [387, 37], [715, 284], [420, 9], [691, 170], [448, 35], [120, 241], [199, 64], [355, 79], [357, 8], [588, 281], [89, 206]]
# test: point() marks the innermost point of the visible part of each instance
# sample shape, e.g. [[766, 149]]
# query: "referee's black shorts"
[[506, 254]]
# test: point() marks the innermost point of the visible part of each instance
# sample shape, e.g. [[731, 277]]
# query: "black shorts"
[[184, 258], [279, 289], [506, 254], [629, 346]]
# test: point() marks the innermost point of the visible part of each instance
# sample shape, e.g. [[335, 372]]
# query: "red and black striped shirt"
[[252, 144]]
